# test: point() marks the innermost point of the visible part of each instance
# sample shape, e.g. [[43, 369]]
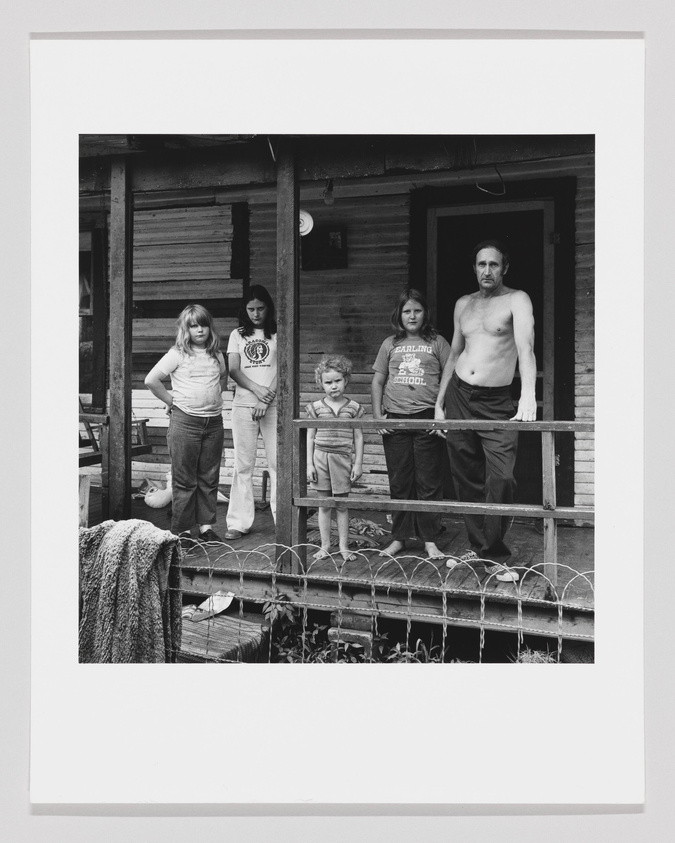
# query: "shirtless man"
[[493, 329]]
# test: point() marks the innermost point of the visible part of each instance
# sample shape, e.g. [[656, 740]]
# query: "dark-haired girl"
[[252, 361], [405, 385]]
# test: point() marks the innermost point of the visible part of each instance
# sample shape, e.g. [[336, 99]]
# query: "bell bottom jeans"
[[195, 447], [245, 430]]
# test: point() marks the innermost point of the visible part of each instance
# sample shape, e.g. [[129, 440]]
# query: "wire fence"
[[369, 607]]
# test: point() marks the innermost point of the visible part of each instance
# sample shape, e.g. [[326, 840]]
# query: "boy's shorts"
[[333, 472]]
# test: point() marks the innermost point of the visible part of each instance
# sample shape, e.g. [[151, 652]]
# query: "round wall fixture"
[[306, 223]]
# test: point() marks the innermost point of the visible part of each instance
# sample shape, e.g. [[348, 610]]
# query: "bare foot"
[[347, 555], [392, 549], [323, 553], [433, 552]]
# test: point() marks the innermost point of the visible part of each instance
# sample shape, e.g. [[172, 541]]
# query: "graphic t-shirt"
[[413, 368], [195, 381], [258, 361]]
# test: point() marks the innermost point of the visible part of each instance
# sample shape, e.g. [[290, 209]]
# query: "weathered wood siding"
[[344, 310], [584, 375], [347, 310], [181, 252]]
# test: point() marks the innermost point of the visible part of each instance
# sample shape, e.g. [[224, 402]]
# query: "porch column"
[[121, 262], [288, 289]]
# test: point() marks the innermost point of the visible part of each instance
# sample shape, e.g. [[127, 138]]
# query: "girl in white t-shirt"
[[194, 406], [252, 363]]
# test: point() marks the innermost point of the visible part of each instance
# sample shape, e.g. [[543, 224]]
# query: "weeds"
[[528, 656], [291, 646]]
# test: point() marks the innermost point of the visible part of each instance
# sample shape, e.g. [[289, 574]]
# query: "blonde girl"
[[194, 405]]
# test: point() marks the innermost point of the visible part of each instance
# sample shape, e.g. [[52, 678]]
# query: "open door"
[[529, 228]]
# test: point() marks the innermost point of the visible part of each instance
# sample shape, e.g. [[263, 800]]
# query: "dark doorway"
[[523, 233], [536, 221]]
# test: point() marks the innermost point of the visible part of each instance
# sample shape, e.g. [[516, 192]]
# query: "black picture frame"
[[325, 247]]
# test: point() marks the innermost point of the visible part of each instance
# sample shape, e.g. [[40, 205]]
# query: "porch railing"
[[549, 511]]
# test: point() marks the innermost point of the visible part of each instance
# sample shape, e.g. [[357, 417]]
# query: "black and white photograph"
[[234, 290], [350, 478]]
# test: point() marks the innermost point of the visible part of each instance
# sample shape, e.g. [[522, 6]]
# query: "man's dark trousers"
[[483, 461]]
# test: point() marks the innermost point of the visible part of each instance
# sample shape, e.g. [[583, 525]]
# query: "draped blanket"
[[130, 593]]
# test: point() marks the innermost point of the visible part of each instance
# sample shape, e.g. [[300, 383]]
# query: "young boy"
[[329, 450]]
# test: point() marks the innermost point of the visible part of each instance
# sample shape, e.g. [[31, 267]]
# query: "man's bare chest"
[[487, 316]]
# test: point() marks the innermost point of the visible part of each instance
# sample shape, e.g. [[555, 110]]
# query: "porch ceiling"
[[95, 145]]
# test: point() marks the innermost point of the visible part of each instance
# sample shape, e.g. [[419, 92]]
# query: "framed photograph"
[[411, 638]]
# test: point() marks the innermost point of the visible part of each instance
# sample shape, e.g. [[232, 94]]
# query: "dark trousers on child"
[[414, 465], [483, 461], [195, 447]]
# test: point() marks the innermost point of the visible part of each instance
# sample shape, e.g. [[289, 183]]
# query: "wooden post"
[[85, 481], [548, 328], [121, 253], [99, 258], [105, 472], [288, 290], [549, 502]]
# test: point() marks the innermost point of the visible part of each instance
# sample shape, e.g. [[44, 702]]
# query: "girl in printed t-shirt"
[[252, 361], [329, 450], [408, 371], [194, 406]]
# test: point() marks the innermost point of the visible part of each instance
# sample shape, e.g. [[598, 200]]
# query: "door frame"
[[548, 327], [555, 195]]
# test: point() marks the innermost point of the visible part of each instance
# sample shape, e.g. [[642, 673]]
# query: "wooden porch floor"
[[408, 586]]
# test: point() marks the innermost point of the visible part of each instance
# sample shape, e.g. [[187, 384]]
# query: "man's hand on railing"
[[527, 409]]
